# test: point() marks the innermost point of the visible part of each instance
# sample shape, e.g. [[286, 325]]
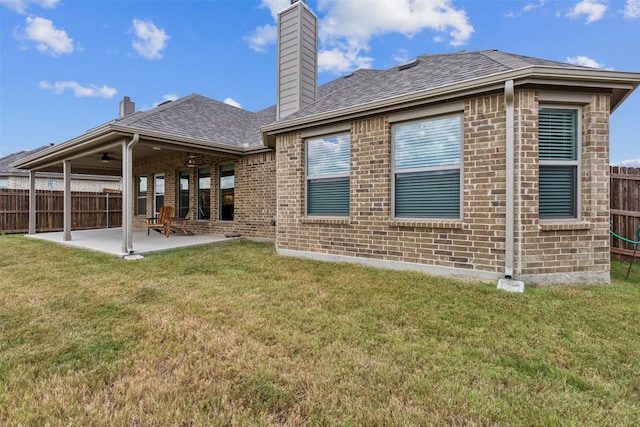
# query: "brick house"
[[476, 164]]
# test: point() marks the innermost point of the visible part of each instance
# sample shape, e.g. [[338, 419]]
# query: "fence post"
[[107, 209]]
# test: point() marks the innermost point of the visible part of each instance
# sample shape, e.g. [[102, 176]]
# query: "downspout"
[[509, 178], [127, 183]]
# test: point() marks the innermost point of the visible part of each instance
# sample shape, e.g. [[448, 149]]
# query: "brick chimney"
[[297, 58], [127, 107]]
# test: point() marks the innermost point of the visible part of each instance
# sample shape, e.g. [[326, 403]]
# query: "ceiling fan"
[[106, 158]]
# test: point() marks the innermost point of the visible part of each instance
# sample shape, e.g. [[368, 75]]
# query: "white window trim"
[[577, 162], [460, 168]]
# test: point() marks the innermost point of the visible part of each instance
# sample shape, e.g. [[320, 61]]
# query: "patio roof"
[[109, 241]]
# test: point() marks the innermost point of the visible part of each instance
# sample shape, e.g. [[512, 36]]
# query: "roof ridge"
[[508, 60]]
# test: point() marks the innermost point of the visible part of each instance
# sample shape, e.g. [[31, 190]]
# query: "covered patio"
[[142, 138], [109, 241]]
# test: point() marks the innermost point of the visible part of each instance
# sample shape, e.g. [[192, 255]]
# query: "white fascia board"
[[181, 141], [68, 150], [204, 147]]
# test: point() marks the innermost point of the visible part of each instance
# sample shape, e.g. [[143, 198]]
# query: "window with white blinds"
[[427, 168], [558, 155], [328, 166]]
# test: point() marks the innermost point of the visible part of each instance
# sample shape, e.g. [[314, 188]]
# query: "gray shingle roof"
[[195, 117], [429, 72], [5, 162], [205, 119]]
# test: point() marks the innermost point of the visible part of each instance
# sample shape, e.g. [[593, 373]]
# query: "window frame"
[[182, 211], [200, 217], [158, 197], [459, 167], [575, 164], [220, 189], [140, 197], [346, 176]]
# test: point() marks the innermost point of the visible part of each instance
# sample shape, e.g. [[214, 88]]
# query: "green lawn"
[[232, 334]]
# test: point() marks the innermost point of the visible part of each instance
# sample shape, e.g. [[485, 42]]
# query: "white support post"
[[66, 169], [126, 195], [32, 202]]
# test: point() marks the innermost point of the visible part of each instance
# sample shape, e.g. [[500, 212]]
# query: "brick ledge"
[[324, 220], [427, 224], [555, 226]]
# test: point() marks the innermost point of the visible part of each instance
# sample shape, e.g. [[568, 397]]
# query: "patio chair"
[[160, 222], [180, 224]]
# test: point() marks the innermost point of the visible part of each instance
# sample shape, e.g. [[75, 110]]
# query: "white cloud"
[[632, 9], [232, 102], [530, 6], [401, 56], [593, 9], [342, 59], [21, 6], [150, 40], [262, 37], [584, 61], [165, 98], [275, 6], [346, 27], [90, 91], [633, 163], [48, 39], [363, 19], [527, 8]]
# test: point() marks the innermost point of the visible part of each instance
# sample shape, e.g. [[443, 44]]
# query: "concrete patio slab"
[[110, 240]]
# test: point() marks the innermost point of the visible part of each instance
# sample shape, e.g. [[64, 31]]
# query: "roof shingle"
[[208, 120]]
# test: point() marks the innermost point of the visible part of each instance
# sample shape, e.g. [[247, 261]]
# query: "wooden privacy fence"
[[88, 210], [625, 209]]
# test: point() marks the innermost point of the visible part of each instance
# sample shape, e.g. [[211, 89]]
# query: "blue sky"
[[66, 64]]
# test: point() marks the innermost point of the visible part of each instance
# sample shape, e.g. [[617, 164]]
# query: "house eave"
[[70, 149], [621, 84], [57, 175], [181, 142], [111, 135]]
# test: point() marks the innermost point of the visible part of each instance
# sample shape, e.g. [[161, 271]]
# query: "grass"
[[232, 334]]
